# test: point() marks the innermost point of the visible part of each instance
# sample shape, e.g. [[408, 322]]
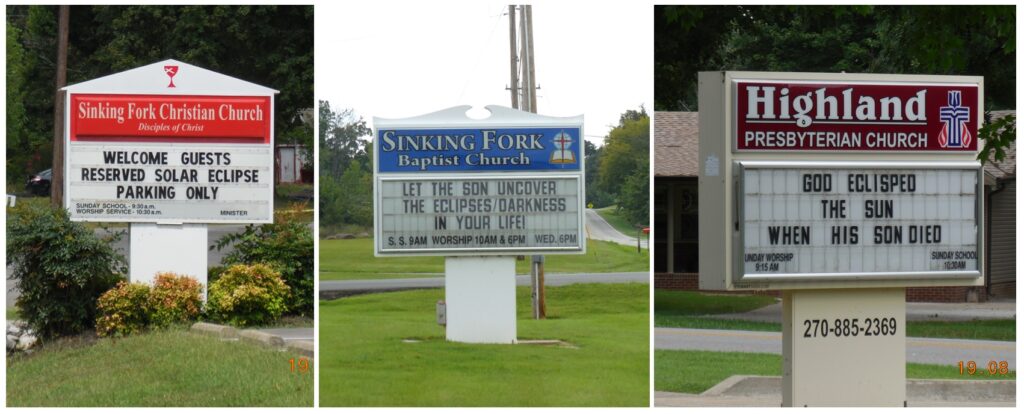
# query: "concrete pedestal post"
[[844, 347], [178, 248], [480, 297]]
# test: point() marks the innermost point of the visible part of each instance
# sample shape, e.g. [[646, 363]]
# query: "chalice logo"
[[171, 71]]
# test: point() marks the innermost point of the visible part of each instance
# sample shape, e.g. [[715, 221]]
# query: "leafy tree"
[[347, 199], [955, 40], [626, 146], [595, 194], [947, 40], [686, 41], [634, 197], [999, 134], [31, 46], [17, 128], [623, 167], [343, 139], [346, 178]]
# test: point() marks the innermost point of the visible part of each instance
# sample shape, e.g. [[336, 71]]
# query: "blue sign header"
[[478, 149]]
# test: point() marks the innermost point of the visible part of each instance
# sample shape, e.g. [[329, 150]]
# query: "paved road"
[[599, 229], [766, 391], [380, 285], [214, 233], [291, 334], [919, 350]]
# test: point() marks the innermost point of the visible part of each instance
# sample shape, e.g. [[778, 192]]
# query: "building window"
[[675, 211], [660, 227]]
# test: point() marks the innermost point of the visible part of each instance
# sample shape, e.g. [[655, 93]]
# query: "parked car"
[[39, 184]]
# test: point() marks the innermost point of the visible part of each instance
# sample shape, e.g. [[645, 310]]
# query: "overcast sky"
[[396, 60]]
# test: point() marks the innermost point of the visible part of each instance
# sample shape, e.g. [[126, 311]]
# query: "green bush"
[[60, 267], [123, 310], [246, 295], [213, 273], [286, 245], [174, 299]]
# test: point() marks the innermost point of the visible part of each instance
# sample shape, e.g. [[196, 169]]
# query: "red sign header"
[[828, 116], [157, 118]]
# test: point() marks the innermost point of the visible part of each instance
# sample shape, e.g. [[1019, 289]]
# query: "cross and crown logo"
[[562, 153], [171, 70], [954, 133]]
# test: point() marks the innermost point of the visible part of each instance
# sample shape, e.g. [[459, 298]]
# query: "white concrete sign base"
[[844, 347], [178, 248], [480, 294]]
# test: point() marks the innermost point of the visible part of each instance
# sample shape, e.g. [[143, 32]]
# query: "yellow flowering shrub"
[[175, 299], [246, 295], [123, 310]]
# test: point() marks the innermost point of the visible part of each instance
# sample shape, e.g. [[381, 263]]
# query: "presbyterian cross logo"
[[171, 71], [562, 153], [955, 133]]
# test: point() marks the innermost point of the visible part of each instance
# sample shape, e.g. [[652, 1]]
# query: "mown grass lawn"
[[677, 302], [163, 368], [614, 217], [364, 362], [996, 329], [680, 309], [353, 259], [693, 372]]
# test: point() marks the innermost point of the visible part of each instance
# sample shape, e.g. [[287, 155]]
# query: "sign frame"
[[581, 234], [150, 82], [903, 81], [719, 155], [456, 118], [742, 276]]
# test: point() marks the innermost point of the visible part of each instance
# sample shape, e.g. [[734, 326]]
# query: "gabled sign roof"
[[170, 77]]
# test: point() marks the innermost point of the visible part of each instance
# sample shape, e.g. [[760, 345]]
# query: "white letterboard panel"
[[170, 182], [483, 214], [820, 221]]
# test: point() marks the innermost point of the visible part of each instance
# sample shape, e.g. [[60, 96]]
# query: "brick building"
[[675, 244]]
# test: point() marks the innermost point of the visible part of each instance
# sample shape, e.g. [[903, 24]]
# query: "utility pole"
[[57, 172], [513, 58], [532, 86], [527, 102]]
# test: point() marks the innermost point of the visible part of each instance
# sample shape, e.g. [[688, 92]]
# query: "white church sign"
[[169, 143], [169, 147], [503, 186]]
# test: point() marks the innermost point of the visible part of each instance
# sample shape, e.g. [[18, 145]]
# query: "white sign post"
[[840, 190], [480, 193], [169, 147]]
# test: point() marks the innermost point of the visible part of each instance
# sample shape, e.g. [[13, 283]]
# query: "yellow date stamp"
[[992, 368], [299, 365]]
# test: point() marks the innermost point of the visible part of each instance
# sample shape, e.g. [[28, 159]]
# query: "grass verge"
[[693, 372], [614, 217], [365, 363], [353, 259], [676, 302], [162, 368], [681, 309]]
